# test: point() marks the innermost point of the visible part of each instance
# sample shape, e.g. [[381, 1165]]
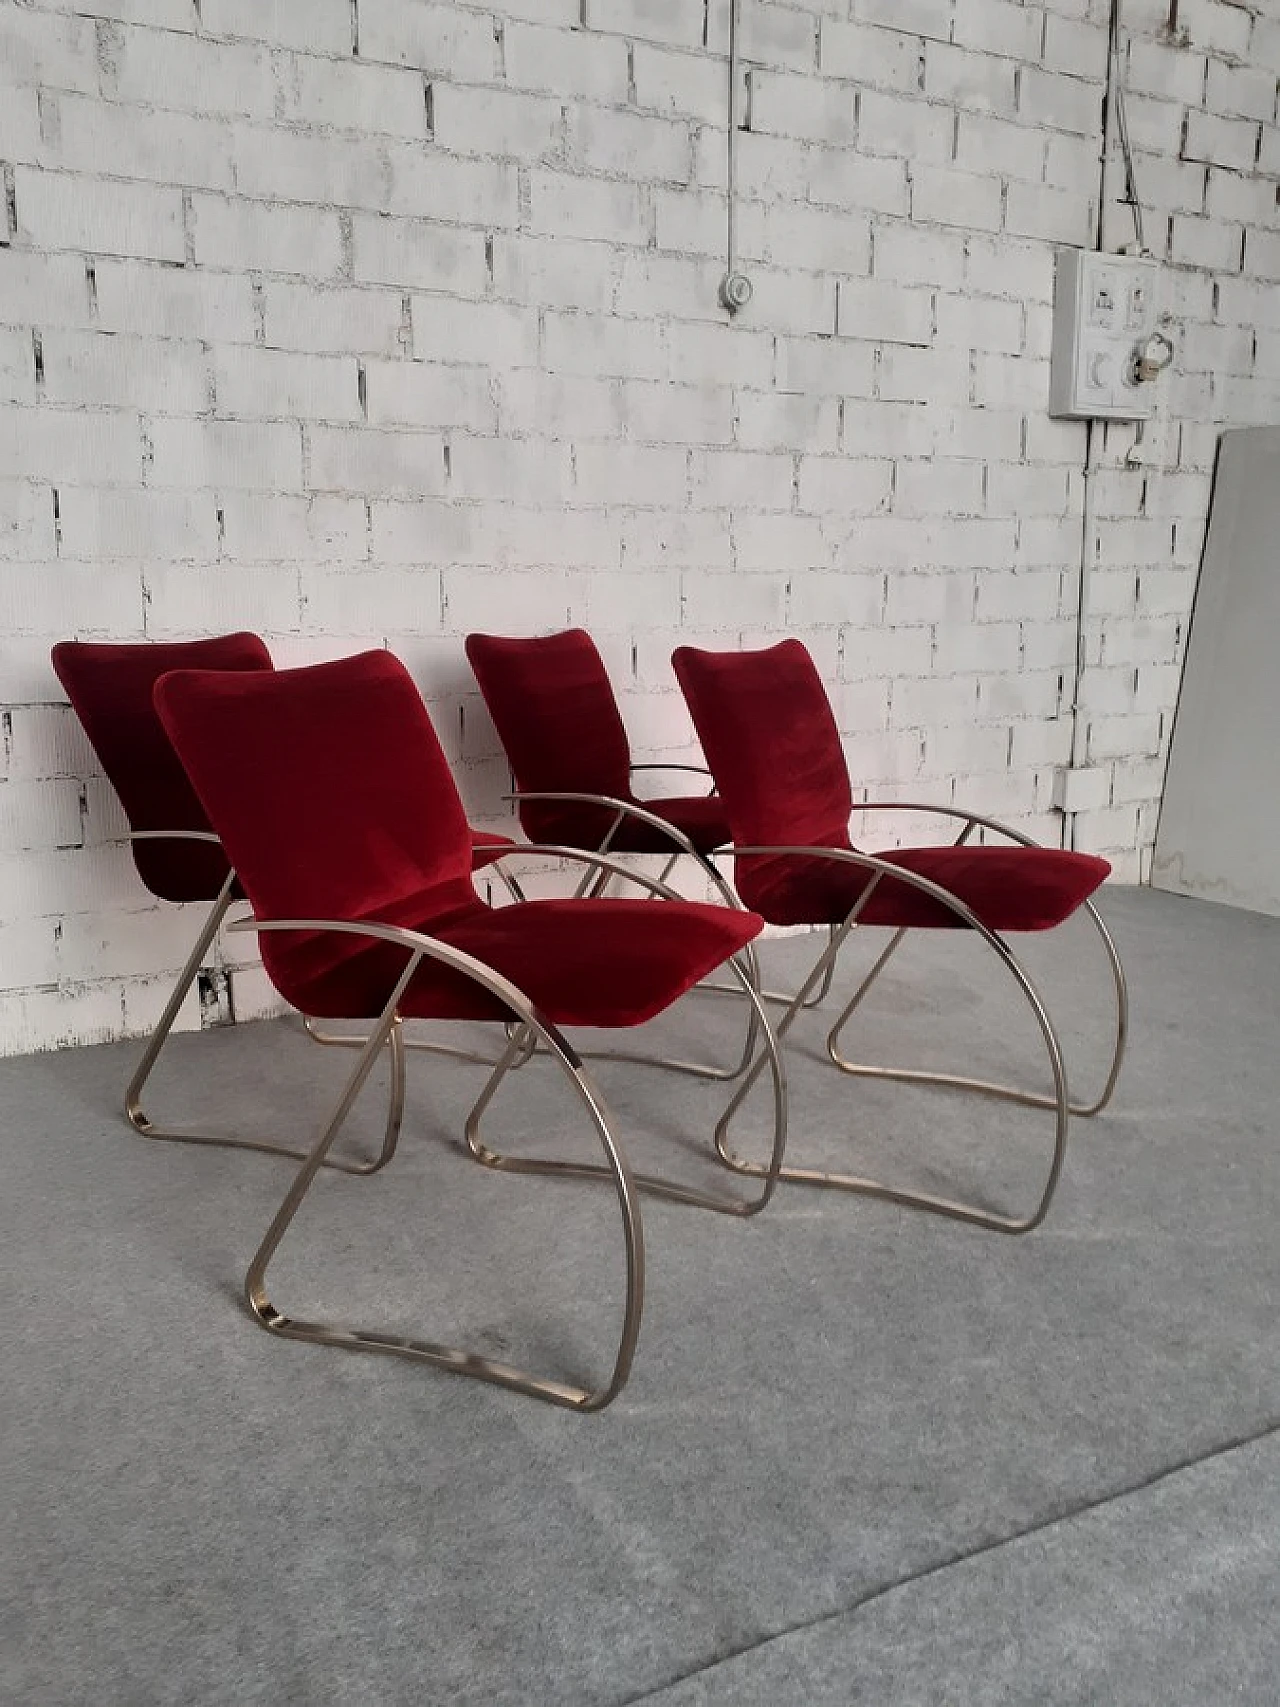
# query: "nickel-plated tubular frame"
[[526, 1017], [879, 869], [142, 1122], [746, 973], [1011, 1093]]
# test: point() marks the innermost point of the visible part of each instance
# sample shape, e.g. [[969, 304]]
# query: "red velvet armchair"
[[330, 793], [768, 732], [178, 858]]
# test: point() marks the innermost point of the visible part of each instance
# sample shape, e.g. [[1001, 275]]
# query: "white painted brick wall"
[[374, 322]]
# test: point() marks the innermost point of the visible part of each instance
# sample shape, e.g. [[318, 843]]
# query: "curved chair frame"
[[520, 1046], [880, 869], [142, 1122], [455, 1358], [1030, 1099]]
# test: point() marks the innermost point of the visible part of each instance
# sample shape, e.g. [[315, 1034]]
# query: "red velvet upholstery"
[[555, 712], [766, 726], [333, 798], [110, 685]]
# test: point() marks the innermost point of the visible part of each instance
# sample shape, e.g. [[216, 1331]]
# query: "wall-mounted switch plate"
[[1104, 310]]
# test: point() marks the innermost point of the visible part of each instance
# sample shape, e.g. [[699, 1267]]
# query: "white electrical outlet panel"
[[1104, 310]]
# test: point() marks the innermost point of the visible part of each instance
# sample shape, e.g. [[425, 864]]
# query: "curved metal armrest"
[[693, 770], [624, 809], [972, 820], [881, 868], [420, 945], [174, 836], [616, 869]]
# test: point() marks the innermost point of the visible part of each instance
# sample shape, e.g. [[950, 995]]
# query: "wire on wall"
[[735, 286]]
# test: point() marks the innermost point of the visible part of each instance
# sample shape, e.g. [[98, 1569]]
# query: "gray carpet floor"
[[865, 1456]]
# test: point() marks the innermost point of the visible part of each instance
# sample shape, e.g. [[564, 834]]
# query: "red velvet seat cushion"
[[1009, 888], [334, 800], [599, 963], [556, 715], [110, 686]]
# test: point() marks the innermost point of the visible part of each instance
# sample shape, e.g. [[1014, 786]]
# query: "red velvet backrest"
[[771, 740], [110, 687], [329, 789], [553, 707]]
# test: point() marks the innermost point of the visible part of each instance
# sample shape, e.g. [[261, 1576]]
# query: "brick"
[[271, 164], [938, 487], [279, 384], [20, 138], [680, 537], [651, 20], [497, 121], [352, 95], [416, 253], [239, 234], [821, 598], [840, 177], [107, 368], [557, 272], [42, 52], [336, 320], [59, 598], [17, 367], [776, 35], [440, 38], [524, 470], [680, 84], [189, 599], [566, 62], [980, 323], [527, 399], [323, 27], [921, 17], [944, 197], [26, 520], [870, 55], [60, 211], [189, 73], [452, 330], [786, 104], [898, 125], [505, 601], [749, 480], [218, 454], [1062, 103], [1241, 91], [629, 474], [368, 601], [972, 82], [267, 528], [985, 144], [422, 394], [630, 145], [845, 485], [604, 345], [678, 414], [163, 147], [890, 314], [1206, 243], [136, 524], [585, 207], [782, 420], [1059, 216], [1220, 141], [372, 461], [904, 254], [53, 445], [169, 302]]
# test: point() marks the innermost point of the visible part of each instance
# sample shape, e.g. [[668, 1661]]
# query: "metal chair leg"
[[987, 1087], [874, 1188], [770, 1172], [454, 1358], [142, 1122]]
